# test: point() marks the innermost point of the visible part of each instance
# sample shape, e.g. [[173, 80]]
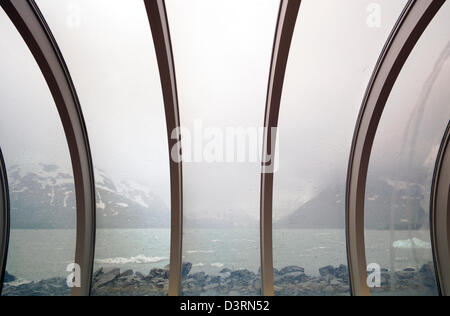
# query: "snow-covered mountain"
[[42, 197]]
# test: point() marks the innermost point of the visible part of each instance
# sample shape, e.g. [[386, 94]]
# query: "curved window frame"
[[412, 23], [157, 15], [4, 219], [30, 23], [287, 20], [415, 18], [440, 215]]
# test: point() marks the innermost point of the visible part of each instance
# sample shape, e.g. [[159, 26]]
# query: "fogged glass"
[[402, 166], [222, 53], [334, 51], [41, 184], [109, 50]]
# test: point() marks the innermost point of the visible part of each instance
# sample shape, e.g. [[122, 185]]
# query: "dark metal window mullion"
[[440, 215], [4, 220], [159, 25], [283, 38]]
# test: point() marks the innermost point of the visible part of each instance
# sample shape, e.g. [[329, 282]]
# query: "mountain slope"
[[327, 210], [42, 197]]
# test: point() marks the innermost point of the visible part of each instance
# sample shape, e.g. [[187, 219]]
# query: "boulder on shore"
[[186, 269], [291, 269], [9, 277], [327, 271], [291, 281]]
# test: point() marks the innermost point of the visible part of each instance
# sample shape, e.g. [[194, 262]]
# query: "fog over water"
[[222, 60]]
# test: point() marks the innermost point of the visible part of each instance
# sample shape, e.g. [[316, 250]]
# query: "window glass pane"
[[402, 166], [109, 49], [222, 54], [43, 214], [335, 48]]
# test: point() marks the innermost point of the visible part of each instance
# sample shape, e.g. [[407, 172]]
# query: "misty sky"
[[30, 130], [109, 50], [222, 53], [333, 54]]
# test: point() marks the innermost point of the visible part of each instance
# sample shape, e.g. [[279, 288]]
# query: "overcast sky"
[[222, 53], [30, 130]]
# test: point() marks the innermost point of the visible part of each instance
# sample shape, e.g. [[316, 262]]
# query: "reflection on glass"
[[222, 55], [43, 214], [402, 165], [109, 49], [335, 48]]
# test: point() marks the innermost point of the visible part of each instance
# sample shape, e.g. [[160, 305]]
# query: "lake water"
[[43, 254]]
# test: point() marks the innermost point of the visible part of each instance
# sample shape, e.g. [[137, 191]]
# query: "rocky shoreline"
[[289, 281]]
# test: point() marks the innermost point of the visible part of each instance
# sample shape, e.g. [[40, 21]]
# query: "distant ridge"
[[327, 209], [42, 197]]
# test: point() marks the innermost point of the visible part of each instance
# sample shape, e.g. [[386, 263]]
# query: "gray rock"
[[190, 284], [242, 282], [199, 277], [335, 282], [50, 287], [97, 274], [405, 275], [427, 269], [293, 277], [327, 271], [291, 269], [9, 277], [186, 268], [243, 275], [127, 273], [216, 279], [158, 273], [428, 275], [107, 276], [342, 272], [385, 279], [225, 275]]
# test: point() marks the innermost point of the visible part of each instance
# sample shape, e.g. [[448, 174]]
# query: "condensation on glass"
[[222, 53], [335, 47], [397, 211], [42, 191], [109, 49]]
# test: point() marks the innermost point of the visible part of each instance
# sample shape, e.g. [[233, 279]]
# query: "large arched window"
[[192, 195], [4, 219], [42, 193], [108, 47], [331, 61], [222, 52], [402, 165]]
